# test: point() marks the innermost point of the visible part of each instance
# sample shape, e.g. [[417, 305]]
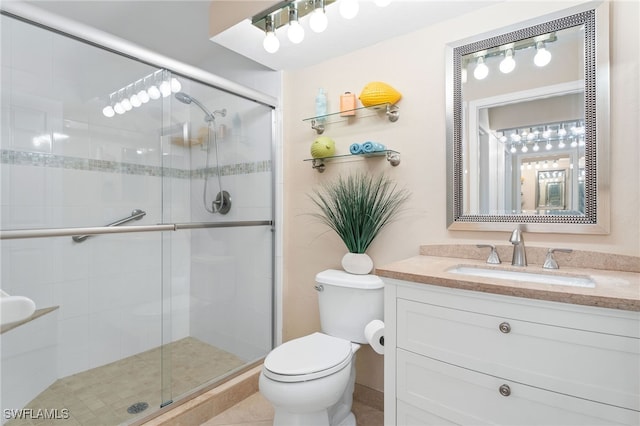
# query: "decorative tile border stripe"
[[38, 159]]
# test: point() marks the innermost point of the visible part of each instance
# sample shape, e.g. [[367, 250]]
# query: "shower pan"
[[109, 180]]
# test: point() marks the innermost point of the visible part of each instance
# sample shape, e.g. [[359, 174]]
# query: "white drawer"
[[446, 394], [595, 366]]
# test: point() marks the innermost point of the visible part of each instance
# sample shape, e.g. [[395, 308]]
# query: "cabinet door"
[[594, 366], [429, 390]]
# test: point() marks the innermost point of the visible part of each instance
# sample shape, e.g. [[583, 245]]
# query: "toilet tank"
[[348, 303]]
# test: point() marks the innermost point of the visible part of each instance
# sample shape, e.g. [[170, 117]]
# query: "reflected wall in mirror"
[[523, 102]]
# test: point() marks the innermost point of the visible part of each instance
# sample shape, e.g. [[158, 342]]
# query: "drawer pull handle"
[[504, 327], [505, 390]]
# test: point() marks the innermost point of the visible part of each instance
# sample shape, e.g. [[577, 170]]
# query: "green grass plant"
[[358, 206]]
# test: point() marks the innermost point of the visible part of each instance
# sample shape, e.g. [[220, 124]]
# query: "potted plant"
[[357, 207]]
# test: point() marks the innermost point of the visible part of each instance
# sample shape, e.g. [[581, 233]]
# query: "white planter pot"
[[357, 263]]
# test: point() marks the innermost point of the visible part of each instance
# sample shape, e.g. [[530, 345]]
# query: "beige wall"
[[414, 65]]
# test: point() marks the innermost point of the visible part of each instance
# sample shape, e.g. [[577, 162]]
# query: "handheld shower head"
[[186, 99], [183, 97]]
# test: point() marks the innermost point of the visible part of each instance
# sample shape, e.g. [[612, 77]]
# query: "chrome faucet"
[[519, 253]]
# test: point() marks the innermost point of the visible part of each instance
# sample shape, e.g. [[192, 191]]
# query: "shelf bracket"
[[318, 164], [319, 127], [393, 157], [393, 113]]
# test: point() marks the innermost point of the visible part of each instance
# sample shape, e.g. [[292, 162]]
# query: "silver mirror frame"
[[595, 18]]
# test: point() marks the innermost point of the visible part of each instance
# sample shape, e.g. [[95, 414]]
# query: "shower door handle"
[[137, 214]]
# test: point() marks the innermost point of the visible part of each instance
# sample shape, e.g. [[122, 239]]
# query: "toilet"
[[310, 380]]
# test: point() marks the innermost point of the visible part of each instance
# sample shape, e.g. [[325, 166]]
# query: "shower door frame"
[[86, 34]]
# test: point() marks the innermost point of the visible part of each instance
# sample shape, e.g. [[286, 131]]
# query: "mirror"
[[527, 126]]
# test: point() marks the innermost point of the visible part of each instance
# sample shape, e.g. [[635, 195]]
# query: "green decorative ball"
[[323, 146]]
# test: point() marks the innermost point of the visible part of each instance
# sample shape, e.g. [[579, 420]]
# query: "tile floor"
[[256, 411], [101, 396]]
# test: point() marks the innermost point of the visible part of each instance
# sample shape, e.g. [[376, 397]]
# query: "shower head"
[[183, 97], [186, 99]]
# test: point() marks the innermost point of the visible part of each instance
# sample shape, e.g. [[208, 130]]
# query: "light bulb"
[[482, 70], [318, 21], [165, 88], [349, 8], [126, 104], [524, 148], [562, 132], [543, 56], [513, 149], [143, 96], [574, 143], [561, 144], [153, 92], [135, 101], [382, 3], [548, 146], [295, 33], [175, 85], [536, 148], [271, 43], [508, 64], [118, 108], [108, 111]]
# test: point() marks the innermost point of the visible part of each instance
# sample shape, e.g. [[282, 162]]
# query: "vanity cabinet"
[[463, 357]]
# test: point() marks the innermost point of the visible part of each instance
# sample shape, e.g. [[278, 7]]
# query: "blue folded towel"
[[379, 147], [369, 147], [355, 148]]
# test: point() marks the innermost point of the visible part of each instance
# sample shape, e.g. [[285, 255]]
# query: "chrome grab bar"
[[137, 214]]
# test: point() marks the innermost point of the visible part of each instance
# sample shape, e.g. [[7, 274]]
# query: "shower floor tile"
[[101, 396]]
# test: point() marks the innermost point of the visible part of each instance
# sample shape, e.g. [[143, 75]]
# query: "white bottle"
[[321, 106]]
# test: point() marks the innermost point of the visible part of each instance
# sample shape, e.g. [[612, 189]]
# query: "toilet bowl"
[[309, 381]]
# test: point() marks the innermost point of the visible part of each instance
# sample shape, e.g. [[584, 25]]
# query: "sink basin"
[[524, 276], [15, 308]]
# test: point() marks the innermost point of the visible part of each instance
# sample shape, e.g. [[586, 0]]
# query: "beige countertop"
[[613, 288]]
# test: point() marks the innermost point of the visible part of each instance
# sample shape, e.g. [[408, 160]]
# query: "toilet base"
[[319, 418], [350, 420]]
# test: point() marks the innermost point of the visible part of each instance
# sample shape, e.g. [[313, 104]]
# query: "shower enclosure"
[[138, 223]]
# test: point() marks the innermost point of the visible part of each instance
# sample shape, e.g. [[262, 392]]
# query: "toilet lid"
[[309, 357]]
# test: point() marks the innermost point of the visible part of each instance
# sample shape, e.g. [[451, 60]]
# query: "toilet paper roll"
[[374, 333]]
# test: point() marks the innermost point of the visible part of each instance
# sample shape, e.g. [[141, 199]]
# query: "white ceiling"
[[179, 29]]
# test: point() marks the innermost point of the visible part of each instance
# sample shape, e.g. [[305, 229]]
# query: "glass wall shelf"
[[393, 157], [317, 123]]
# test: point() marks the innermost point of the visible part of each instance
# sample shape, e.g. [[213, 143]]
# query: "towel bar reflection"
[[137, 214]]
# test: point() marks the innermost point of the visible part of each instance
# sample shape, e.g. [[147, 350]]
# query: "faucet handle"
[[493, 255], [550, 261]]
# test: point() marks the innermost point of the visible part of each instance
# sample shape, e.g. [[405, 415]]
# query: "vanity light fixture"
[[513, 149], [548, 146], [543, 56], [270, 43], [153, 86], [508, 64], [561, 144], [318, 21], [291, 12], [295, 32], [536, 147], [524, 148], [482, 70]]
